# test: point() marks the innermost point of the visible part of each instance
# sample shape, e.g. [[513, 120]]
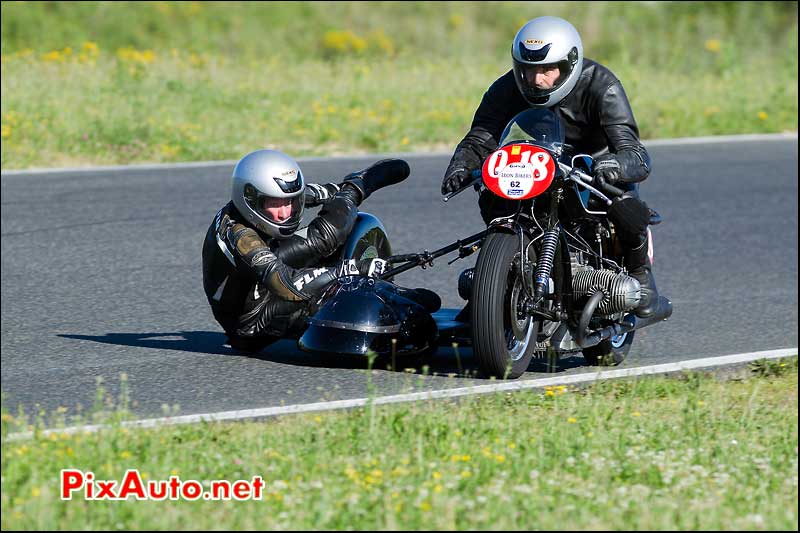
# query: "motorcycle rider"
[[260, 277], [549, 71]]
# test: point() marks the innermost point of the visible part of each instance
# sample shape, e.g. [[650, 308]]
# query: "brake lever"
[[476, 177]]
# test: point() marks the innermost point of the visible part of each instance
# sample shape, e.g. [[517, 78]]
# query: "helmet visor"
[[278, 210]]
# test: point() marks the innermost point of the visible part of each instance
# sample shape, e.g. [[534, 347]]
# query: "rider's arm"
[[256, 261], [616, 118], [325, 233], [499, 104], [316, 194]]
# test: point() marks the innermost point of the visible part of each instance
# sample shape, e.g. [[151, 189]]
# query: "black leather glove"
[[606, 169], [454, 179]]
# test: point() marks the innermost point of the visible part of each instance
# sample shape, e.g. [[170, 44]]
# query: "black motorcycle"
[[549, 277]]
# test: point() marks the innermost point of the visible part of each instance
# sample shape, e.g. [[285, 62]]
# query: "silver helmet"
[[267, 190], [541, 43]]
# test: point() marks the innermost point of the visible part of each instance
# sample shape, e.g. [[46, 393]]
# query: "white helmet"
[[547, 41], [268, 191]]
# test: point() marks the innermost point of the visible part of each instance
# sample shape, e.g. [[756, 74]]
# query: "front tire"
[[503, 341]]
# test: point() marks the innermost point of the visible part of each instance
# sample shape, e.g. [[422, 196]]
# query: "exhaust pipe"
[[586, 338]]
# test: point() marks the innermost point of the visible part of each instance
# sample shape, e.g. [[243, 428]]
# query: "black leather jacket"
[[596, 114]]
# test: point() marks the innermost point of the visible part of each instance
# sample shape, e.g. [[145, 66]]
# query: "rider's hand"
[[319, 194], [373, 268], [454, 179], [606, 169]]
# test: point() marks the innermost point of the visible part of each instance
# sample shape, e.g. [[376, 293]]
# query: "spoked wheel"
[[504, 340], [610, 352]]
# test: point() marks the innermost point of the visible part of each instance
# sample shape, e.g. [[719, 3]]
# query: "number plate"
[[519, 171]]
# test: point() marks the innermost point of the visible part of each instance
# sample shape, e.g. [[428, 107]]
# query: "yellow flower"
[[466, 473], [762, 115], [549, 393], [713, 45], [500, 458], [405, 141], [700, 403], [456, 21], [343, 41], [437, 475], [425, 506], [437, 489], [35, 492], [55, 55], [90, 48], [125, 455], [636, 413], [317, 419], [571, 420]]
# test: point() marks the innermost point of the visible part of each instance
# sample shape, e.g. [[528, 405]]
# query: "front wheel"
[[610, 352], [504, 340]]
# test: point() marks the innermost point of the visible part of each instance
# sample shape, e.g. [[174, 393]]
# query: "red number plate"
[[519, 171]]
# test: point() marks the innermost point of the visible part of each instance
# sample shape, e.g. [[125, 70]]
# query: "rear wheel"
[[504, 340], [610, 352]]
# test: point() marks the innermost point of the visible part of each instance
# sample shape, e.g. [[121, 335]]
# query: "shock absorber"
[[545, 266]]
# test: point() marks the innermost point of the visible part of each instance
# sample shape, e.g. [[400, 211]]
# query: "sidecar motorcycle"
[[548, 279]]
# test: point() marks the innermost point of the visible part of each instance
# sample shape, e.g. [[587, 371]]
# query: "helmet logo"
[[534, 41], [533, 55], [290, 186]]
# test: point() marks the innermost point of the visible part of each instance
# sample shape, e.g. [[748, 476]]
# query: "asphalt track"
[[101, 276]]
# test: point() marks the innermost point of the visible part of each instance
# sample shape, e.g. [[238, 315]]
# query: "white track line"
[[405, 155], [504, 386]]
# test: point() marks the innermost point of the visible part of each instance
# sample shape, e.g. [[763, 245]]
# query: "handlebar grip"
[[404, 258], [607, 189], [610, 190]]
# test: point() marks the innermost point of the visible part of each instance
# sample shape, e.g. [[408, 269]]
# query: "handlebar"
[[604, 191]]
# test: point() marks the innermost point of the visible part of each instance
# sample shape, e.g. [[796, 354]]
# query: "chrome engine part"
[[622, 292]]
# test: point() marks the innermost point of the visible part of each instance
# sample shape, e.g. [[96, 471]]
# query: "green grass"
[[692, 452], [177, 82]]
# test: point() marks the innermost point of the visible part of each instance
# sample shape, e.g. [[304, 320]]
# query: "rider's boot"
[[382, 174], [465, 291], [638, 264]]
